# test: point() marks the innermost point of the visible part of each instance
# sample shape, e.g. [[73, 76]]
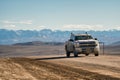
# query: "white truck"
[[82, 44]]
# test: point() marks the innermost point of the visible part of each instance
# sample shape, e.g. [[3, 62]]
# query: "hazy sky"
[[60, 14]]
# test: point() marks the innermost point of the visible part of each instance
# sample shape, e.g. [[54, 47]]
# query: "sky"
[[63, 15]]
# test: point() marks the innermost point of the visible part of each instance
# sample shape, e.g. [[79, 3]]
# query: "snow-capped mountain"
[[47, 35]]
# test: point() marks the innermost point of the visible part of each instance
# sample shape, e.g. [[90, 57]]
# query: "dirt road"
[[60, 68]]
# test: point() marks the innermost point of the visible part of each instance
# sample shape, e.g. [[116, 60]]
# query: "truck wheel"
[[75, 54], [87, 54], [96, 54], [67, 54]]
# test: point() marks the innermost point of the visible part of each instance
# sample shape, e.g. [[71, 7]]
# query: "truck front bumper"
[[86, 50]]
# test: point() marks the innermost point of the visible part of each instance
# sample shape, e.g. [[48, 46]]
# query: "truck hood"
[[89, 40]]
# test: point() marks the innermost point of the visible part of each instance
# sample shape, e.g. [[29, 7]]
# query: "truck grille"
[[87, 44]]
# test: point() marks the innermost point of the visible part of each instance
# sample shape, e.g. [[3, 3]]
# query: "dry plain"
[[48, 62]]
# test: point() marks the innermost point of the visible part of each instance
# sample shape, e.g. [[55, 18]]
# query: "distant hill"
[[47, 35], [39, 43], [113, 48], [115, 43]]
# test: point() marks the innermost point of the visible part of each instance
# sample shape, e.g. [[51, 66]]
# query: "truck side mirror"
[[95, 38], [71, 40]]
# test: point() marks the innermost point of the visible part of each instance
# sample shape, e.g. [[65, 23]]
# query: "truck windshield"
[[83, 37]]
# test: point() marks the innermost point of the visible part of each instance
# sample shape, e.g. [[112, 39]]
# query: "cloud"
[[19, 22], [25, 25], [89, 27], [11, 27], [36, 27], [118, 27], [18, 27]]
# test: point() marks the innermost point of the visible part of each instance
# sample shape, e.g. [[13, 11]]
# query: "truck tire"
[[96, 54], [67, 54], [75, 54], [86, 54]]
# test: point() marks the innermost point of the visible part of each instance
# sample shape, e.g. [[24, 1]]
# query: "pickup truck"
[[82, 44]]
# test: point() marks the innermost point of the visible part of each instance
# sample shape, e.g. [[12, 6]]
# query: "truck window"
[[83, 37]]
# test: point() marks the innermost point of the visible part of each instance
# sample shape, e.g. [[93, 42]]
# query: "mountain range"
[[8, 37]]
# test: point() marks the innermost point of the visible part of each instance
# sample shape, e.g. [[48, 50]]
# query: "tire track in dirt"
[[101, 69], [10, 70], [50, 71]]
